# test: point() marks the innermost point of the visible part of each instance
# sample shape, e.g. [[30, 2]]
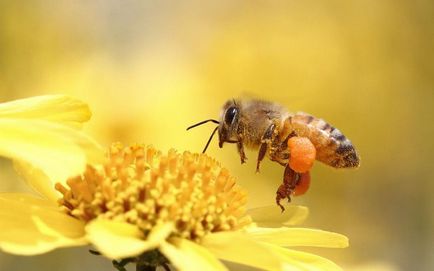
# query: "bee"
[[267, 127]]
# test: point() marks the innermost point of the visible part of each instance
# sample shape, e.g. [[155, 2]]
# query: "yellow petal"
[[117, 240], [59, 151], [298, 237], [30, 226], [160, 233], [56, 108], [37, 180], [271, 216], [186, 255], [302, 261], [239, 248]]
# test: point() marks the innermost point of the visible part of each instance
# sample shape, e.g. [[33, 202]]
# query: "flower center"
[[142, 186]]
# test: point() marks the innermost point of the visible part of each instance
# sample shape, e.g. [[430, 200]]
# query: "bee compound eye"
[[230, 114]]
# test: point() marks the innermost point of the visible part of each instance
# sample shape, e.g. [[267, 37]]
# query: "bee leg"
[[240, 148], [281, 194], [261, 155], [265, 141], [240, 145], [285, 190]]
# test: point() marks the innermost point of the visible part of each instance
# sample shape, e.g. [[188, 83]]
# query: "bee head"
[[227, 126], [228, 123]]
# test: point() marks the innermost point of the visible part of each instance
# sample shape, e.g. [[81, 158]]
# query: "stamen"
[[142, 186]]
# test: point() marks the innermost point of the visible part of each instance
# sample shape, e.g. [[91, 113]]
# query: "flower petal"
[[37, 180], [303, 261], [30, 226], [117, 240], [271, 216], [160, 233], [59, 151], [57, 108], [239, 248], [186, 255], [298, 237]]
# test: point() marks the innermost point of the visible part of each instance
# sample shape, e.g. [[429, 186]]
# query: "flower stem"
[[120, 265], [145, 267]]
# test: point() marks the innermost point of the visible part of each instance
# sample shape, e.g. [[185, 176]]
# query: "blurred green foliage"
[[151, 68]]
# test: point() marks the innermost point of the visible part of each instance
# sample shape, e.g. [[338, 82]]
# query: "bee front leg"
[[265, 142], [240, 144], [240, 148]]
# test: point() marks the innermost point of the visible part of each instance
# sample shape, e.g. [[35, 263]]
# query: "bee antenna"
[[209, 140], [203, 122]]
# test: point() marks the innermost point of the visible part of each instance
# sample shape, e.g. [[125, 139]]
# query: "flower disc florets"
[[142, 186]]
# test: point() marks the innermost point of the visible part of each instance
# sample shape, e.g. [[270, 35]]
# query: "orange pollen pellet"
[[303, 184], [302, 153]]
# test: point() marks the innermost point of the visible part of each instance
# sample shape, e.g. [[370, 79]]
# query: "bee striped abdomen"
[[332, 147]]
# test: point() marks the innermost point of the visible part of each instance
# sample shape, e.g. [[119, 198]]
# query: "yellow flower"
[[185, 209], [42, 132]]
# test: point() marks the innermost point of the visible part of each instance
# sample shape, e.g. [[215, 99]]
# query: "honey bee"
[[267, 127]]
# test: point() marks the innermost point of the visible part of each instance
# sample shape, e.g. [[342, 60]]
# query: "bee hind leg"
[[265, 141], [286, 189]]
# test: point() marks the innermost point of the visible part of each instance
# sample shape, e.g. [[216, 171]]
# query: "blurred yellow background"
[[149, 69]]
